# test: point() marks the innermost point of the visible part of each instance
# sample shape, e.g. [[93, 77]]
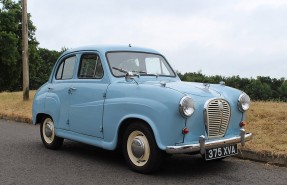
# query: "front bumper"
[[204, 144]]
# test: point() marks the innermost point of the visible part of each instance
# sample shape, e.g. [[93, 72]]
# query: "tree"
[[41, 70], [9, 55], [11, 51], [9, 58], [261, 88], [283, 91]]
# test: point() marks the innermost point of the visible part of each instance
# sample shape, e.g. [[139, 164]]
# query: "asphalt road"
[[24, 160]]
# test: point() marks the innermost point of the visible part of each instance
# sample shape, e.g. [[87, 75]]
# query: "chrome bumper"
[[205, 144]]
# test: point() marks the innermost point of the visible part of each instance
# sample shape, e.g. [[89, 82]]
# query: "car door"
[[88, 96], [59, 90]]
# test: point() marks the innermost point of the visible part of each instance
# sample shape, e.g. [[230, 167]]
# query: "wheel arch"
[[128, 121], [40, 117]]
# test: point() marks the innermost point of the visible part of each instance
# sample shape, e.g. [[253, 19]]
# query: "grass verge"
[[13, 107], [266, 120], [268, 123]]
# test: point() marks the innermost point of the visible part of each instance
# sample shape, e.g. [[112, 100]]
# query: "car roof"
[[110, 48]]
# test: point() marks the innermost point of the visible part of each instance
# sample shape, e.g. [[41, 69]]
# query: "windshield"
[[138, 63]]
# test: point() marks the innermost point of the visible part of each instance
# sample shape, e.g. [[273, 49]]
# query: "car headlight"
[[243, 102], [186, 106]]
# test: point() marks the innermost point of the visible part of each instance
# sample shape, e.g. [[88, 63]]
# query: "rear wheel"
[[47, 131], [140, 149]]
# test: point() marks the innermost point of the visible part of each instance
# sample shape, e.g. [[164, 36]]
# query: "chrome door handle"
[[71, 89]]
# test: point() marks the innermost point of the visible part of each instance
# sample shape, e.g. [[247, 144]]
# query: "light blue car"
[[130, 98]]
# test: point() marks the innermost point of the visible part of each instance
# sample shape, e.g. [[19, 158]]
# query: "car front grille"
[[217, 115]]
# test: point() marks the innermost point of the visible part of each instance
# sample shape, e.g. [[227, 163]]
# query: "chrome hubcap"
[[138, 147], [48, 130]]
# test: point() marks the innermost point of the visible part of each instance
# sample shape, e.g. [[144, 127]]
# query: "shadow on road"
[[176, 165]]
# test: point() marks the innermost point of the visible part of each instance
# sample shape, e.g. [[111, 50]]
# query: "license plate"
[[220, 152]]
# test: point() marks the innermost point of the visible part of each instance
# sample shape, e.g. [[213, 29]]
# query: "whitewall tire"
[[47, 131], [140, 149]]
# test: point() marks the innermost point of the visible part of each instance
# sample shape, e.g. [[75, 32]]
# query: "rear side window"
[[90, 67], [66, 69]]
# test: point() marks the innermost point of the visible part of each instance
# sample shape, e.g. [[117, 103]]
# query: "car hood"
[[192, 88], [189, 88]]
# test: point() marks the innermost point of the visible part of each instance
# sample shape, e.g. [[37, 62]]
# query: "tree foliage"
[[10, 13], [40, 60]]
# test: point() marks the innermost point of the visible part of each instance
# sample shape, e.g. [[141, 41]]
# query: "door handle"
[[71, 89]]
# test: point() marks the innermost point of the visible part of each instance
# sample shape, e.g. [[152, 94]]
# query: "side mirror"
[[130, 77]]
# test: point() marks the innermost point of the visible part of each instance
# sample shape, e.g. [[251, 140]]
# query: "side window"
[[66, 69], [90, 67]]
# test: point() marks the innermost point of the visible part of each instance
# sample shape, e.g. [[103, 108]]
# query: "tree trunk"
[[25, 62]]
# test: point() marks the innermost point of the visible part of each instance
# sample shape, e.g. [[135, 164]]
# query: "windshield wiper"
[[150, 74], [128, 74], [139, 72], [135, 72], [132, 73], [144, 73], [121, 70]]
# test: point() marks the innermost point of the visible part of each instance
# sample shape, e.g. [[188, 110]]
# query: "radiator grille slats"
[[217, 117]]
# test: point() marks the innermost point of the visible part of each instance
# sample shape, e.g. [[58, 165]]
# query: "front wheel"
[[47, 131], [140, 149]]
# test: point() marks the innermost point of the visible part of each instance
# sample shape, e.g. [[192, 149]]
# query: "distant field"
[[266, 120]]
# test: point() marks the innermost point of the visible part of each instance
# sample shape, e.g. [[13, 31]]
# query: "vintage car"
[[130, 98]]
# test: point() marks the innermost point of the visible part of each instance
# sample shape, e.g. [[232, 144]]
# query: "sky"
[[215, 37]]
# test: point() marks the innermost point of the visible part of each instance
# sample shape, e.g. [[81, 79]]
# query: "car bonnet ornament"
[[206, 85]]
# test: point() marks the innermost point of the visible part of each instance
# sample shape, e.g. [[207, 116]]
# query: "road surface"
[[24, 160]]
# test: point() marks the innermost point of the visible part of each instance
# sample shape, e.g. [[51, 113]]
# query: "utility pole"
[[25, 63]]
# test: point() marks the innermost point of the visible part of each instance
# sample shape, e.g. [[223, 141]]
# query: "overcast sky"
[[218, 37]]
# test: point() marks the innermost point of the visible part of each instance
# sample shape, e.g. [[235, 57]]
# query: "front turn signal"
[[185, 131], [242, 124]]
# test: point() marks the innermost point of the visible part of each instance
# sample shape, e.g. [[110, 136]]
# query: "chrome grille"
[[217, 115]]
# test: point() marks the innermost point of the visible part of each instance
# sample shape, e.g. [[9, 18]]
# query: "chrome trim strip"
[[204, 144]]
